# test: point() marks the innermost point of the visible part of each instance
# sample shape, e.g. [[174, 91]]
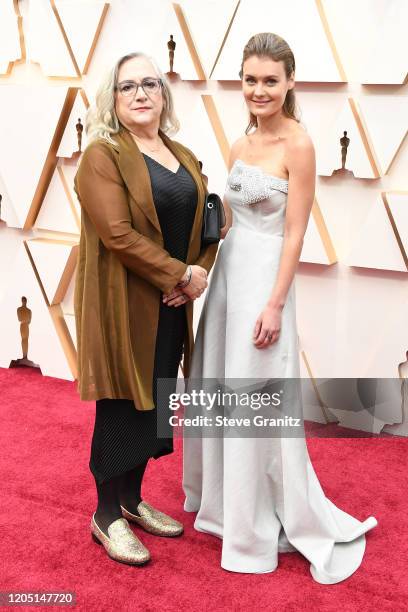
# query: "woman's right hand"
[[193, 290], [197, 283]]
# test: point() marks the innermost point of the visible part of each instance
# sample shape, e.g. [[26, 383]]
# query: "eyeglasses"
[[130, 88]]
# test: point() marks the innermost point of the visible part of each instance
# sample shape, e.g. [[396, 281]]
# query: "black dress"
[[123, 436]]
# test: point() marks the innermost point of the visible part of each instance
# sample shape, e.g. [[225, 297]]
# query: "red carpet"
[[48, 498]]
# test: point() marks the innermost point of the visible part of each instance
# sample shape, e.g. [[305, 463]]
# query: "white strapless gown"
[[260, 495]]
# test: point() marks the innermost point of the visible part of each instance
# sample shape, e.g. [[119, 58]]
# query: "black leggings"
[[125, 437], [120, 490]]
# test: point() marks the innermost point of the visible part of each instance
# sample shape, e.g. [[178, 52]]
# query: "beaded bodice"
[[257, 199]]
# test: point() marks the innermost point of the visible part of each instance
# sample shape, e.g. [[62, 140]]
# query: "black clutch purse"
[[213, 219]]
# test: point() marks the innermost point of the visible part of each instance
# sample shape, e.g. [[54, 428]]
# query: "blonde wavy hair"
[[101, 120]]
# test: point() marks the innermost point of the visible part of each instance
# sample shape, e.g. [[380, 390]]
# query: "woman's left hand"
[[177, 297], [267, 327]]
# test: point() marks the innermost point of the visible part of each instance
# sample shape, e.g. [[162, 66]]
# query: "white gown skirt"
[[260, 495]]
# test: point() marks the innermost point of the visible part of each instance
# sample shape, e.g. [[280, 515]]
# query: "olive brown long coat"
[[123, 267]]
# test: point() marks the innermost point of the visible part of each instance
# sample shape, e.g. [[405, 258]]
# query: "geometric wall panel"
[[70, 321], [360, 154], [55, 278], [189, 41], [359, 417], [197, 134], [313, 288], [69, 142], [375, 245], [352, 323], [144, 26], [50, 51], [56, 213], [44, 346], [233, 123], [82, 22], [10, 49], [300, 22], [217, 127], [391, 342], [313, 406], [363, 30], [67, 174], [65, 337], [376, 307], [390, 34], [317, 246], [209, 16], [28, 146], [7, 212], [65, 325], [396, 203], [67, 303], [10, 242], [318, 111], [186, 61], [387, 122]]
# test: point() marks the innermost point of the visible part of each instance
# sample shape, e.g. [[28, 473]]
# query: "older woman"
[[140, 268]]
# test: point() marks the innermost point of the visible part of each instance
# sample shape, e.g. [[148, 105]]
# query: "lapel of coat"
[[137, 178], [136, 175]]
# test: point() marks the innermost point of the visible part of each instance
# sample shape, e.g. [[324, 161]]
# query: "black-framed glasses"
[[130, 88]]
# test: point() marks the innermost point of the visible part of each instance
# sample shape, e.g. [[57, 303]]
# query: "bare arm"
[[228, 219], [301, 165]]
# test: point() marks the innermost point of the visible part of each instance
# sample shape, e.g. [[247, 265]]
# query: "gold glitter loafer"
[[122, 545], [154, 521]]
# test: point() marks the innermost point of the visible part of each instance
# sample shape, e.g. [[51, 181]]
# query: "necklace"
[[145, 145]]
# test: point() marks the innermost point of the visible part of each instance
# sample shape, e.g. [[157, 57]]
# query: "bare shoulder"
[[300, 151], [300, 142]]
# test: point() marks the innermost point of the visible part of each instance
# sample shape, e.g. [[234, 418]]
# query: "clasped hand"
[[192, 291]]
